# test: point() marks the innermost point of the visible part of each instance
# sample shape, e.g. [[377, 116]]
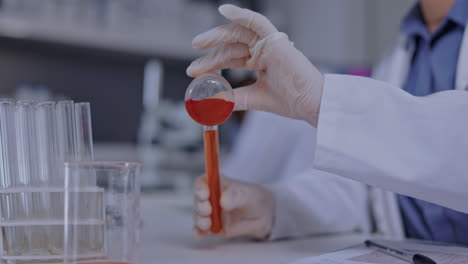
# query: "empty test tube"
[[8, 169], [66, 147], [13, 241], [47, 145], [66, 134], [84, 137], [84, 140], [27, 167], [26, 141], [49, 170]]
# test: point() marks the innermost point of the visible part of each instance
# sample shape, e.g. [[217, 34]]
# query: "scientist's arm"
[[370, 131], [378, 134]]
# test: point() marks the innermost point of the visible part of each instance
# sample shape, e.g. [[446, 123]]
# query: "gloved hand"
[[288, 83], [248, 209]]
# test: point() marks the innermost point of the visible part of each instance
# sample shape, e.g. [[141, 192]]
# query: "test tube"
[[7, 144], [28, 166], [11, 207], [84, 136], [47, 144], [67, 151], [25, 131], [84, 153], [66, 148], [49, 174]]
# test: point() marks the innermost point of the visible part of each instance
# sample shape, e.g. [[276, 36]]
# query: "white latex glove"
[[288, 83], [248, 209]]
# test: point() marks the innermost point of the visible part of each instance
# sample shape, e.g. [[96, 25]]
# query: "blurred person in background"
[[406, 154]]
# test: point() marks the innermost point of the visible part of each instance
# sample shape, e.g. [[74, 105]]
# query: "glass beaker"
[[102, 217]]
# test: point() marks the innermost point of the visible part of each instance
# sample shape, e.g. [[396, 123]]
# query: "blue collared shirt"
[[433, 69]]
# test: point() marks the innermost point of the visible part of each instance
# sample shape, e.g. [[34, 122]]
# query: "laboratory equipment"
[[36, 138], [209, 100], [166, 139], [149, 146], [84, 137], [116, 238]]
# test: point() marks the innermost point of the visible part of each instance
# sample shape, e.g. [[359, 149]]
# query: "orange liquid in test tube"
[[211, 112], [212, 174]]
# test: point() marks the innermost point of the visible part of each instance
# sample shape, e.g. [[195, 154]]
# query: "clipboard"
[[441, 253]]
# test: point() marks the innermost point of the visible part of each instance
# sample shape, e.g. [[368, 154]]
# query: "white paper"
[[364, 255]]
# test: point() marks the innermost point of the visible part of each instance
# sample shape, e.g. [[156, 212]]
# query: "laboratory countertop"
[[166, 237]]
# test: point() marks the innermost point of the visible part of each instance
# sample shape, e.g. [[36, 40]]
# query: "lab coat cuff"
[[339, 101]]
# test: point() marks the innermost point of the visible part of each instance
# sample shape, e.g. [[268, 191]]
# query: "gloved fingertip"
[[203, 223], [227, 9], [222, 8], [189, 72], [196, 45], [202, 193], [198, 41], [192, 70], [204, 208]]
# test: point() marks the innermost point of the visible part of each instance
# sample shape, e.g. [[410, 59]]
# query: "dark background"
[[111, 81]]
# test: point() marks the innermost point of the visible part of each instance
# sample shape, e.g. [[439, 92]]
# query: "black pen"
[[401, 254]]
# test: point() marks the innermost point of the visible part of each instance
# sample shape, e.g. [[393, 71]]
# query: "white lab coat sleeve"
[[266, 146], [378, 134], [317, 202]]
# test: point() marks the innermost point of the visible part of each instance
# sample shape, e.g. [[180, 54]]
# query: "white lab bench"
[[166, 237]]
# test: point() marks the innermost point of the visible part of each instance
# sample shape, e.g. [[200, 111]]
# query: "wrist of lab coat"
[[378, 134]]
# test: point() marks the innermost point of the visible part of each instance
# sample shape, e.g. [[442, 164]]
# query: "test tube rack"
[[36, 138]]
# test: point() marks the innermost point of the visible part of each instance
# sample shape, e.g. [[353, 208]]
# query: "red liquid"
[[212, 176], [210, 111]]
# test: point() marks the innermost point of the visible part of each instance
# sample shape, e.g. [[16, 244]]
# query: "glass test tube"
[[49, 174], [90, 234], [8, 144], [84, 140], [84, 136], [47, 144], [66, 151], [13, 239], [26, 141], [66, 133], [27, 167]]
